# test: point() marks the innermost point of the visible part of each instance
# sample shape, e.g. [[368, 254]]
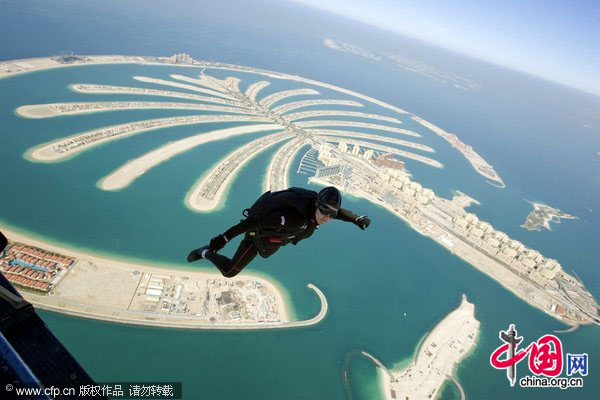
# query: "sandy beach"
[[385, 139], [68, 147], [38, 111], [448, 343], [183, 86], [480, 165], [238, 158], [125, 175], [283, 307]]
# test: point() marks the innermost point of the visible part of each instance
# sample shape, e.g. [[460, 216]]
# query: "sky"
[[558, 40]]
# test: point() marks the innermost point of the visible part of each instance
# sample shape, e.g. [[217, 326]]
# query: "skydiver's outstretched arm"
[[348, 216]]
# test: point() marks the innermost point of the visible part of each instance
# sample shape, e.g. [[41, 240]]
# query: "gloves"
[[362, 222], [217, 243]]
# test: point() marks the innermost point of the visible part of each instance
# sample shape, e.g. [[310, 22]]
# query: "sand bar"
[[268, 101], [57, 109], [400, 142], [255, 88], [542, 215], [108, 89], [392, 150], [322, 113], [309, 103], [278, 171], [125, 175], [312, 124], [449, 342], [208, 193], [65, 148], [102, 288], [209, 82], [479, 164], [183, 86]]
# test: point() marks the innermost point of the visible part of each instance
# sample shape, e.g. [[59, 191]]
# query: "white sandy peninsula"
[[450, 341], [120, 291], [125, 175]]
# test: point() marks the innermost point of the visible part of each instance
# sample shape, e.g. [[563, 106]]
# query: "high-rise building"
[[325, 153], [368, 155]]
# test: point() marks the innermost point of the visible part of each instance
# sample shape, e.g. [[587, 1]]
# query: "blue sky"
[[555, 39]]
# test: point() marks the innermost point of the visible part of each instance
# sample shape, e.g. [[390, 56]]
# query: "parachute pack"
[[296, 198]]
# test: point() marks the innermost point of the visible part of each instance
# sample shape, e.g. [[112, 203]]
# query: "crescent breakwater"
[[479, 164], [14, 67], [88, 286], [537, 280]]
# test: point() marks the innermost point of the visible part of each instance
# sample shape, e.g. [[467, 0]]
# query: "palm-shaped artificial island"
[[223, 101], [357, 151]]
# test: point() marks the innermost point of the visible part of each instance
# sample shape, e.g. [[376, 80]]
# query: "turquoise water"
[[370, 278], [535, 134]]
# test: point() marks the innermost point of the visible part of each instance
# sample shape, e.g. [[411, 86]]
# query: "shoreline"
[[548, 215], [65, 148], [125, 175], [504, 281], [193, 199], [387, 385], [284, 306], [479, 164]]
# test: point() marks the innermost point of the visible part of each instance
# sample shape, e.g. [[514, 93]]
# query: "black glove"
[[362, 222], [217, 243]]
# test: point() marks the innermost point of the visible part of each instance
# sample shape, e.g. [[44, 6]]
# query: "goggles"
[[329, 212]]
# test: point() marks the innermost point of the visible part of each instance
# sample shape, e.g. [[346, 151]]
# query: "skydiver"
[[274, 220]]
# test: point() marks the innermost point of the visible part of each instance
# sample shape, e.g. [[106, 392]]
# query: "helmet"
[[329, 201]]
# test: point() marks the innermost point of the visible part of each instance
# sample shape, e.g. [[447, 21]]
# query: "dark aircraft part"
[[30, 355]]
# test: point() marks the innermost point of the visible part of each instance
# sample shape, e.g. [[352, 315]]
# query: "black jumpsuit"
[[285, 221]]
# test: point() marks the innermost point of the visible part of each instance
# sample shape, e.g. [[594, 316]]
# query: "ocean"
[[541, 138]]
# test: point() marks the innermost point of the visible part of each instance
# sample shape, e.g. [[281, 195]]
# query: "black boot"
[[197, 254]]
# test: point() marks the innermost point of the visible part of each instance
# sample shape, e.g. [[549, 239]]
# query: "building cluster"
[[389, 161], [70, 58], [356, 124], [314, 102], [511, 252], [394, 182], [430, 216], [277, 171], [33, 268], [211, 186], [181, 58], [271, 99], [215, 300], [156, 92], [327, 152], [100, 134], [390, 183], [243, 301], [480, 165], [322, 113], [82, 107]]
